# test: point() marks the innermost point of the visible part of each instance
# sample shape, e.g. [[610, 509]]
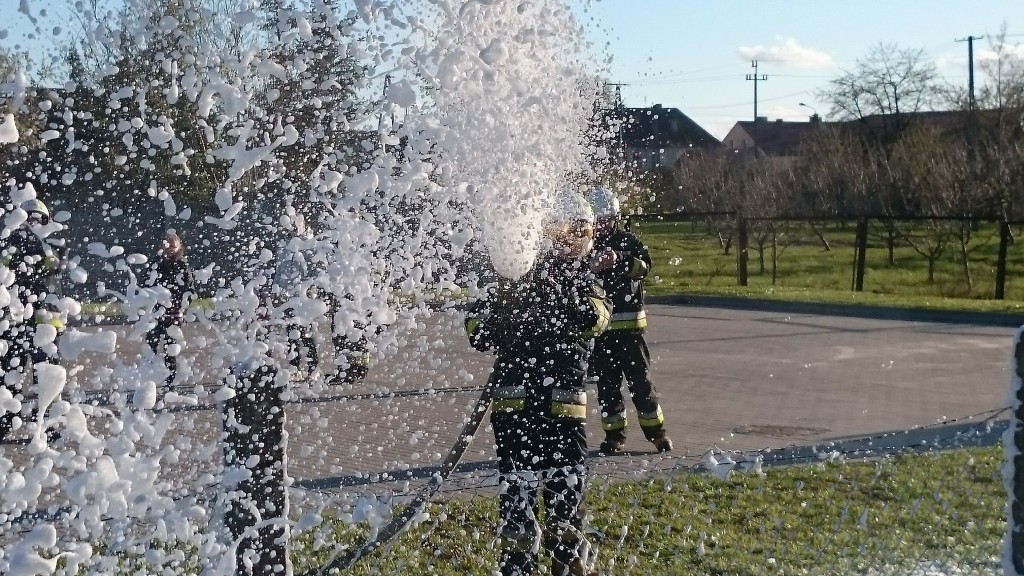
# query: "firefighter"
[[173, 273], [32, 321], [621, 262], [540, 327]]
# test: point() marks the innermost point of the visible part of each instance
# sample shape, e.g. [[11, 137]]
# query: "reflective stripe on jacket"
[[540, 327], [624, 282]]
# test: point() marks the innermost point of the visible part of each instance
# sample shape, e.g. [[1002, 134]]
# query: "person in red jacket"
[[621, 262], [541, 327]]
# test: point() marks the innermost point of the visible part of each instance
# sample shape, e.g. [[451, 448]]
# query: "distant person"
[[621, 262], [33, 321], [291, 281], [171, 272], [352, 355], [540, 326]]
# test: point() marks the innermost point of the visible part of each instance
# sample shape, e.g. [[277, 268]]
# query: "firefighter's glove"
[[604, 260]]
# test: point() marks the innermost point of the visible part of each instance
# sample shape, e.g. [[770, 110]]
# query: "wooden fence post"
[[860, 254], [1004, 242], [256, 513], [741, 250]]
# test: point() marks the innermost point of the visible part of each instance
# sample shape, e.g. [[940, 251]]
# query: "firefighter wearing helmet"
[[621, 262], [541, 326], [32, 320]]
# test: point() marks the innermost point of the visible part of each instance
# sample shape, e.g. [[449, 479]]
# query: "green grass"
[[101, 309], [815, 519], [115, 309], [883, 516], [688, 259]]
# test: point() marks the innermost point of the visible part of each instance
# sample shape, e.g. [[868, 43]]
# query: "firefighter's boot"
[[614, 440], [663, 444], [657, 436]]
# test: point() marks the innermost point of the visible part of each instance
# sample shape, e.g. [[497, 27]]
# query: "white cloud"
[[1013, 51], [787, 51]]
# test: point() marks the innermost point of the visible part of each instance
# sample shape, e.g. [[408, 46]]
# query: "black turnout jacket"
[[541, 328]]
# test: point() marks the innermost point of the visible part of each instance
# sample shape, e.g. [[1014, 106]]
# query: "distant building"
[[782, 140], [657, 137], [778, 139]]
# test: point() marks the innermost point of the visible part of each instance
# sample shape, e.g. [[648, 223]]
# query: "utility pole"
[[741, 221], [970, 68], [380, 117], [972, 120], [618, 118], [618, 94], [756, 78]]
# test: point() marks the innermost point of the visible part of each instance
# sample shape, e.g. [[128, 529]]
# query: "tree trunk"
[[890, 244], [775, 257], [824, 242], [255, 442], [965, 264], [931, 269]]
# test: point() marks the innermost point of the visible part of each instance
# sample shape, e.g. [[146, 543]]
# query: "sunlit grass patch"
[[891, 515], [878, 516], [690, 258]]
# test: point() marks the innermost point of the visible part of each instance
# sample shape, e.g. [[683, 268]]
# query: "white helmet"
[[570, 226], [35, 206], [570, 208], [605, 202]]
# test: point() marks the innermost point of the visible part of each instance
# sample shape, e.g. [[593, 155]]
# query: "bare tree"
[[881, 94], [999, 140], [1002, 69], [837, 174], [705, 181], [882, 89], [767, 192], [921, 160]]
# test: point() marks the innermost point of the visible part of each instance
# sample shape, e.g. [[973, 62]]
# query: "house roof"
[[887, 126], [779, 138], [658, 126]]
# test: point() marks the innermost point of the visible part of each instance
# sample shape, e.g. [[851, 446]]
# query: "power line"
[[737, 104], [662, 82], [618, 93], [681, 73]]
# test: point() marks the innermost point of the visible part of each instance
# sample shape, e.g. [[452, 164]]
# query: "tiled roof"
[[659, 126], [779, 138]]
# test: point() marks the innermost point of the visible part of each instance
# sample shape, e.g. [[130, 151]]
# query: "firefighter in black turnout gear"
[[541, 327], [32, 312], [621, 262]]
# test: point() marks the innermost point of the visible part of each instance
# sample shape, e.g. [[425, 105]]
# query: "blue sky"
[[695, 55]]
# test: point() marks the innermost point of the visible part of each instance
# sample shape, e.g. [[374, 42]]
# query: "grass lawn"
[[887, 515], [689, 258]]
